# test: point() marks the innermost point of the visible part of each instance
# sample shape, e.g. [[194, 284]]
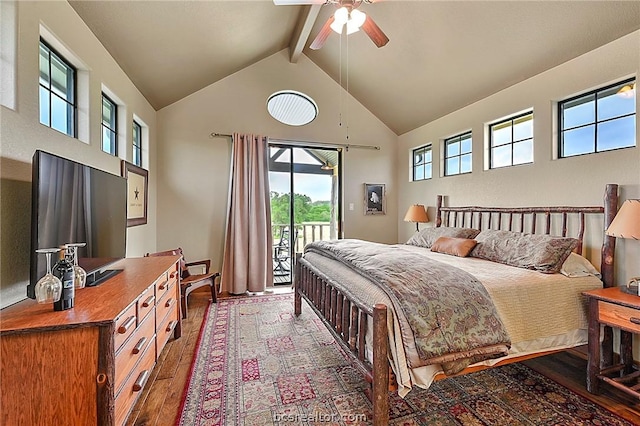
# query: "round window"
[[292, 108]]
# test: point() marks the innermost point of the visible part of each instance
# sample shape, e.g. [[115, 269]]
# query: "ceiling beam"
[[307, 18]]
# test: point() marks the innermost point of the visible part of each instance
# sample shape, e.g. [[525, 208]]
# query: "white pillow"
[[578, 266]]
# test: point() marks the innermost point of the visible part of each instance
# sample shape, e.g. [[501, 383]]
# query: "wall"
[[571, 181], [21, 133], [193, 185]]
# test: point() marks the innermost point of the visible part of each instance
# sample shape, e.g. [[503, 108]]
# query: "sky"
[[317, 187]]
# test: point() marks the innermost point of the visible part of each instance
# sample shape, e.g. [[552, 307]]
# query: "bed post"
[[609, 243], [297, 277], [380, 366], [439, 211]]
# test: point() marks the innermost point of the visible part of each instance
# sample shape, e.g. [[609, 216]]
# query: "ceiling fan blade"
[[374, 32], [294, 2], [322, 36]]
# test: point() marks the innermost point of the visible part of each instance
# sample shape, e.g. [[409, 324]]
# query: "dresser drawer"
[[166, 303], [126, 323], [146, 302], [133, 349], [162, 284], [134, 384], [166, 327], [619, 316]]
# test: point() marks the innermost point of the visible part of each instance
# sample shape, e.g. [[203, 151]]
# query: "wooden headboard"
[[525, 219]]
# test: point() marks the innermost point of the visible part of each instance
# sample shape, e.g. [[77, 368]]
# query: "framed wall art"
[[137, 193], [375, 201]]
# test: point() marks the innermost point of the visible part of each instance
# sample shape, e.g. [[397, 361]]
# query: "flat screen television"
[[75, 203]]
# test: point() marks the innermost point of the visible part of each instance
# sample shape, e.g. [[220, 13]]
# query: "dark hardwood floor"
[[160, 401]]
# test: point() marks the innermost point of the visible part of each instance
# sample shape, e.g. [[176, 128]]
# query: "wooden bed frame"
[[347, 319]]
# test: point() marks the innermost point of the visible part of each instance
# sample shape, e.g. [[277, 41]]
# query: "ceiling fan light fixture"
[[352, 27], [341, 17], [357, 18]]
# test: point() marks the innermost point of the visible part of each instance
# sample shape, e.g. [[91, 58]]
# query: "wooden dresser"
[[87, 365]]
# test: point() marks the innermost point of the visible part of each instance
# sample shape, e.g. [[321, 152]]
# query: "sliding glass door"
[[305, 201]]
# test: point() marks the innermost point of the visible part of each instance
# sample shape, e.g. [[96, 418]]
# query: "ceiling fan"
[[346, 16]]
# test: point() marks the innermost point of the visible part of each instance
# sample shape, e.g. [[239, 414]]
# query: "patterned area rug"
[[257, 364]]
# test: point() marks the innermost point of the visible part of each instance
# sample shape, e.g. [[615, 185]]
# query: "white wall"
[[571, 181], [194, 182], [21, 134]]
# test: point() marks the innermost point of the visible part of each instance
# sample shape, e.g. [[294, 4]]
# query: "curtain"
[[247, 263]]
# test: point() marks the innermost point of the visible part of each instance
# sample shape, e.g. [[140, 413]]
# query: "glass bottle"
[[63, 269], [80, 274], [48, 288]]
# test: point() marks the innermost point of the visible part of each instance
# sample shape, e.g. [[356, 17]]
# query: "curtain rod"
[[346, 146]]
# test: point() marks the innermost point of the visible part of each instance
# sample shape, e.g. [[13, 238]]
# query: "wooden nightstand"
[[615, 308]]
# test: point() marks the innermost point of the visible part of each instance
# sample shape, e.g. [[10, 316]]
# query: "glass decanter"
[[49, 287], [80, 274]]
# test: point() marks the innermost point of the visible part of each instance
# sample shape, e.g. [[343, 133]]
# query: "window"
[[422, 162], [137, 144], [109, 135], [457, 154], [57, 91], [597, 121], [511, 141]]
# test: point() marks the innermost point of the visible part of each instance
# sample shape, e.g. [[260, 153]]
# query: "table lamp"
[[626, 224], [418, 214]]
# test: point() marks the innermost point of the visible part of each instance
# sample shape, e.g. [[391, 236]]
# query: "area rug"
[[257, 364]]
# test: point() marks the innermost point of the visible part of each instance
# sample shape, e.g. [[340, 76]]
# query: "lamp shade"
[[416, 213], [626, 224]]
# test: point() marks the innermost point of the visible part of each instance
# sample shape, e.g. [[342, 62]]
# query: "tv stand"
[[99, 277]]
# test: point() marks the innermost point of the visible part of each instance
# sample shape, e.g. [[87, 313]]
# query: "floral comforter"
[[449, 313]]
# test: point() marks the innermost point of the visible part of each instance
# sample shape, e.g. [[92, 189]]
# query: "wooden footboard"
[[348, 321]]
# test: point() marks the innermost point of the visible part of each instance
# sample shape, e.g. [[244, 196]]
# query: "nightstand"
[[614, 308]]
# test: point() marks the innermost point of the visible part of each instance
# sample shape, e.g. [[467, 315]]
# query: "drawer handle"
[[127, 324], [169, 303], [148, 301], [171, 325], [635, 320], [139, 346], [173, 274], [163, 285], [141, 381]]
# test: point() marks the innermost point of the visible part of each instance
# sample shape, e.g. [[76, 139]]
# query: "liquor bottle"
[[63, 269]]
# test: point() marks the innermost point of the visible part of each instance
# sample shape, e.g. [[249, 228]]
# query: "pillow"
[[460, 247], [578, 266], [428, 236], [542, 253]]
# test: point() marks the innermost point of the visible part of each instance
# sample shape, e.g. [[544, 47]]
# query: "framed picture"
[[375, 198], [137, 193]]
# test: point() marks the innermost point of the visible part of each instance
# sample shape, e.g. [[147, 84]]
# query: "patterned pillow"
[[542, 253], [460, 247], [428, 236]]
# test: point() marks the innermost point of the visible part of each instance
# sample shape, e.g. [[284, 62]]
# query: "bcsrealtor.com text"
[[319, 417]]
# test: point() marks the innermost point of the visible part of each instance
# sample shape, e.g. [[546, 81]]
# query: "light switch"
[[351, 206]]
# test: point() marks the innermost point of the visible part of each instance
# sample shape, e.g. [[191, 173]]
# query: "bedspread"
[[451, 316]]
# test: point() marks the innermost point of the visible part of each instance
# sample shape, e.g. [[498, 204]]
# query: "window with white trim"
[[597, 121], [422, 163], [511, 141], [109, 126], [57, 91], [457, 154]]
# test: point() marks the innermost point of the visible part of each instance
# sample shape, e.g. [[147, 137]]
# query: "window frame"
[[457, 139], [137, 143], [595, 123], [114, 130], [510, 119], [421, 150], [72, 121]]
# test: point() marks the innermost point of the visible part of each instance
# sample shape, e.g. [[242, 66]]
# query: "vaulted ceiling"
[[442, 55]]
